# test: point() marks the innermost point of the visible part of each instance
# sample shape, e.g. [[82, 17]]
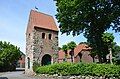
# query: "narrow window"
[[50, 36], [43, 35], [29, 35], [56, 37], [28, 63]]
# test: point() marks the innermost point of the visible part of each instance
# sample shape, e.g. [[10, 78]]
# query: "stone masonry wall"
[[55, 76], [37, 47], [29, 53], [45, 46]]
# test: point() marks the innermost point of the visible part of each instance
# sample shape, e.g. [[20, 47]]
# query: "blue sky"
[[14, 17]]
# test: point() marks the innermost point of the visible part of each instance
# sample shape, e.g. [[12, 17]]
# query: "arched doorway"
[[46, 60]]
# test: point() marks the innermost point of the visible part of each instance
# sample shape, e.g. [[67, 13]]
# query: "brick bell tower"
[[41, 40]]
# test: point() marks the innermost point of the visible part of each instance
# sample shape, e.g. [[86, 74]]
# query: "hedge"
[[80, 69]]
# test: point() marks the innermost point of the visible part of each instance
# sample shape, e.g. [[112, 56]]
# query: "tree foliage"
[[65, 49], [71, 45], [78, 15], [107, 42], [84, 43], [91, 17], [8, 55], [59, 48], [108, 38], [115, 49]]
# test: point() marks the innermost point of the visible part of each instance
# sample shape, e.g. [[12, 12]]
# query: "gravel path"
[[15, 75]]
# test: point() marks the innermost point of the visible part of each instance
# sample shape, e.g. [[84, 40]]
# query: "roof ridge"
[[41, 13]]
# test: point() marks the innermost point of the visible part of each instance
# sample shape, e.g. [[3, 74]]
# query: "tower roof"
[[41, 20]]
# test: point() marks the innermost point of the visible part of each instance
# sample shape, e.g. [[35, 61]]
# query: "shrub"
[[43, 70], [35, 66], [80, 69], [56, 68]]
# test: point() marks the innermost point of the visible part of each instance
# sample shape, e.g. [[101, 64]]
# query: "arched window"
[[43, 35], [50, 36], [28, 63]]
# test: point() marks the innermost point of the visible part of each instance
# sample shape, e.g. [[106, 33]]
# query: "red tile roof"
[[79, 48], [41, 20]]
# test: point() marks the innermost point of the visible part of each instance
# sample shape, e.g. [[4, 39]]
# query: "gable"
[[41, 20]]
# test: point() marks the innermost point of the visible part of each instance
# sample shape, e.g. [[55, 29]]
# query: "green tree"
[[107, 39], [59, 48], [91, 17], [106, 44], [115, 49], [71, 46], [93, 54], [65, 48], [8, 55], [84, 43]]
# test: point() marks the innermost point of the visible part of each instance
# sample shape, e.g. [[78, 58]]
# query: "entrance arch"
[[46, 60]]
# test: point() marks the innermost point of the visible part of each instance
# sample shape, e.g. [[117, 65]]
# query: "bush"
[[8, 55], [118, 62], [35, 66], [80, 69]]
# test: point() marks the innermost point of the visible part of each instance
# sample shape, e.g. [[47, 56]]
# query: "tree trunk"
[[72, 59], [100, 58], [65, 56], [72, 55], [110, 57], [104, 59], [93, 59]]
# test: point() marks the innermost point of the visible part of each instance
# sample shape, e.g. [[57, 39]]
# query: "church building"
[[41, 40]]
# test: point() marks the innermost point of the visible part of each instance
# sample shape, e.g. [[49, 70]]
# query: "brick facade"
[[21, 61], [81, 54]]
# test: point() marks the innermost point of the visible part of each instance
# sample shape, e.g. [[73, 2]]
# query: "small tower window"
[[56, 37], [29, 35], [43, 35], [50, 36], [28, 63]]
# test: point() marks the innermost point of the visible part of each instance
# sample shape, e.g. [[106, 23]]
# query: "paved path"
[[15, 75]]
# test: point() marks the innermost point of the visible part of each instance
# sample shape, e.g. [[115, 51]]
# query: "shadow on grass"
[[3, 78]]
